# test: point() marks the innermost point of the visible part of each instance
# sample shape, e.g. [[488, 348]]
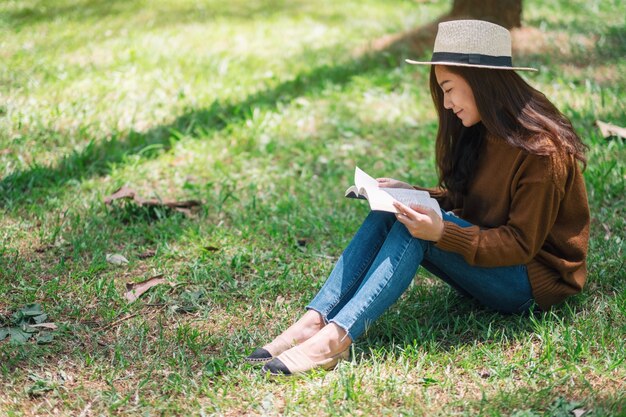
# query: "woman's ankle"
[[329, 341], [339, 338], [306, 327]]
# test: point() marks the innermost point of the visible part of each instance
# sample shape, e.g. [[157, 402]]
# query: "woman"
[[515, 224]]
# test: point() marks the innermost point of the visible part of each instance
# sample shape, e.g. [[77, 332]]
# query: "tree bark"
[[507, 13]]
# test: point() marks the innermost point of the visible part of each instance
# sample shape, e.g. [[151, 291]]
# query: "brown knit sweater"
[[528, 209]]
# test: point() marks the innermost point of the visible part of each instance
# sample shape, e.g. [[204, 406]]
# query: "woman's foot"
[[323, 350], [308, 325]]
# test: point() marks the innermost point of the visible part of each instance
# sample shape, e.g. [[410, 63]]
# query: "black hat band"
[[472, 59]]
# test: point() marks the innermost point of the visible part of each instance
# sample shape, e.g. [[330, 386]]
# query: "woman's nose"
[[447, 103]]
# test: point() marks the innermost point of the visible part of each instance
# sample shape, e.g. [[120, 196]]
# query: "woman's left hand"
[[422, 223]]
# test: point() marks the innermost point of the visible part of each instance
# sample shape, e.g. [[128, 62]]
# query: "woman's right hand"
[[391, 183]]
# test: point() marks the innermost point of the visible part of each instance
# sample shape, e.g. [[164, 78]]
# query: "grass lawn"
[[261, 110]]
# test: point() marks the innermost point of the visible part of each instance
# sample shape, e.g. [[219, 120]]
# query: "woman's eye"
[[447, 91]]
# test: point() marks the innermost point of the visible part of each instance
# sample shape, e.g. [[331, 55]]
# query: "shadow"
[[600, 48], [610, 47], [580, 24], [45, 11], [96, 159], [436, 316], [413, 43], [94, 10]]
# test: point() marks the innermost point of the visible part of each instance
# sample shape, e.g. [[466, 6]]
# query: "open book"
[[366, 187]]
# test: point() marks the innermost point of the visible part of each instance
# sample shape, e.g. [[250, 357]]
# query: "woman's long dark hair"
[[509, 109]]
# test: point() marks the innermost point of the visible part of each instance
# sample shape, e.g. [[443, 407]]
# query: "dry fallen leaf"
[[579, 412], [44, 248], [123, 192], [187, 212], [49, 326], [183, 206], [609, 130], [116, 259], [103, 342], [136, 289], [148, 253]]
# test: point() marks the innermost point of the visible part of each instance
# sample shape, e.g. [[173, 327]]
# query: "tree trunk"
[[507, 13]]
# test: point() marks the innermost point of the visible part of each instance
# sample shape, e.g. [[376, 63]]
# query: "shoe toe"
[[276, 367], [259, 355]]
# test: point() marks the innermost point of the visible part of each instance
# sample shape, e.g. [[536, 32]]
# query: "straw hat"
[[472, 43]]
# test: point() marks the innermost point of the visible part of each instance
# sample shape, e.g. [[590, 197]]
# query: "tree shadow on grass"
[[31, 185], [610, 48], [439, 318], [607, 47], [38, 181], [81, 11], [96, 159]]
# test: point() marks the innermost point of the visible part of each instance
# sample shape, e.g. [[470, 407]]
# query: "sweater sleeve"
[[533, 211]]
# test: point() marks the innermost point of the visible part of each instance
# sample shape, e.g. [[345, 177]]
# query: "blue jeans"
[[380, 262]]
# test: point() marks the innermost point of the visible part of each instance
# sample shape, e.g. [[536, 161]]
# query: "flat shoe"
[[295, 361], [259, 356], [269, 351]]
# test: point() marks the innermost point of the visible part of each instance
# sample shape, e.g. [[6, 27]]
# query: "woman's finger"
[[401, 207], [421, 209], [415, 212], [405, 210]]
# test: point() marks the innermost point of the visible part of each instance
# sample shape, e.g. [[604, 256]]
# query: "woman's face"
[[457, 96]]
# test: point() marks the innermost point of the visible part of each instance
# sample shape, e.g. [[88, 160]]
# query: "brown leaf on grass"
[[123, 192], [187, 212], [136, 289], [48, 326], [183, 206], [148, 253], [608, 130], [102, 342], [174, 204], [5, 151], [128, 193], [44, 248]]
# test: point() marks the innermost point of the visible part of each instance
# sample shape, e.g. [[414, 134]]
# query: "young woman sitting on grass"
[[515, 224]]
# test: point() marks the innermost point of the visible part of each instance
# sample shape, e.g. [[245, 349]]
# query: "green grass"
[[261, 110]]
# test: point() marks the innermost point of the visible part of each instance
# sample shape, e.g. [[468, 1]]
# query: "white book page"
[[419, 197], [362, 180], [383, 198], [378, 199], [408, 196]]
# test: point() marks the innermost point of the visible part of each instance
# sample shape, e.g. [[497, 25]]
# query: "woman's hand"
[[422, 223], [391, 183]]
